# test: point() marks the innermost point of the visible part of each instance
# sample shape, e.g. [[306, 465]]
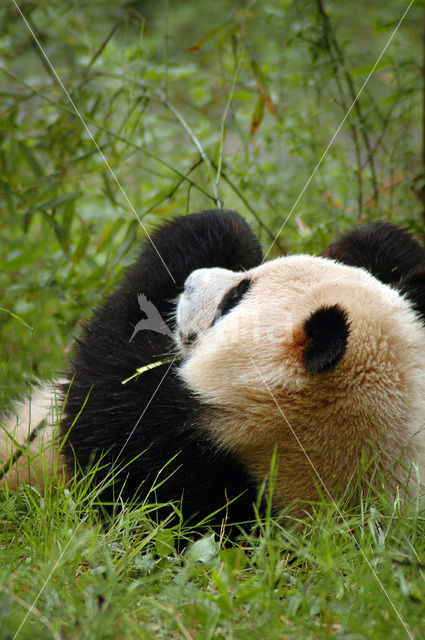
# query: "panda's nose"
[[187, 339]]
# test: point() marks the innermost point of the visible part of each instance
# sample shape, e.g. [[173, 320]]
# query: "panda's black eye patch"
[[231, 298]]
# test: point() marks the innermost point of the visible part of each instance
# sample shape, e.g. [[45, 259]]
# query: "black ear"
[[327, 331], [387, 252], [413, 286]]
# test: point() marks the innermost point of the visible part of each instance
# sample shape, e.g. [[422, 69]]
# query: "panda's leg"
[[101, 411], [28, 440], [214, 238]]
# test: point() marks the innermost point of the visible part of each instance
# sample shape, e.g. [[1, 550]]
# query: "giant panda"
[[314, 365]]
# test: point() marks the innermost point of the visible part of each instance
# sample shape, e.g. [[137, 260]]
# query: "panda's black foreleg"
[[152, 423], [214, 238], [133, 326]]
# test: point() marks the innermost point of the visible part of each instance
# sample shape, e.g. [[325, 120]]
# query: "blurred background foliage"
[[192, 105]]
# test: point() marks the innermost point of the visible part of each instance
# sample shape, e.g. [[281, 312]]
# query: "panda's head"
[[314, 359]]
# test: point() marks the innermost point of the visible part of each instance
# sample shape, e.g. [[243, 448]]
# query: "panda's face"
[[227, 320], [306, 343], [261, 306]]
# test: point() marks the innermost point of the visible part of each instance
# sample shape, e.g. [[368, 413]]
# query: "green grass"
[[65, 572], [151, 79]]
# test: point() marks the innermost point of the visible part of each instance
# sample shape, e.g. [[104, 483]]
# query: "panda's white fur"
[[250, 365], [39, 459]]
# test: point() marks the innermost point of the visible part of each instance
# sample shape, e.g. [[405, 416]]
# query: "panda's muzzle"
[[189, 339], [208, 295]]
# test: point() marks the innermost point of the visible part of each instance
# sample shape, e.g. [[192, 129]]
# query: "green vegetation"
[[185, 106], [129, 578]]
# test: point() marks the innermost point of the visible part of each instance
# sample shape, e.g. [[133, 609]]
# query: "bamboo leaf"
[[257, 116], [262, 82], [53, 203], [16, 318], [208, 36], [80, 251], [30, 158], [129, 239]]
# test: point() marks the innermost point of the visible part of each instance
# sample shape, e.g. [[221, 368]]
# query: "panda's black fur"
[[390, 254], [166, 443], [151, 435]]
